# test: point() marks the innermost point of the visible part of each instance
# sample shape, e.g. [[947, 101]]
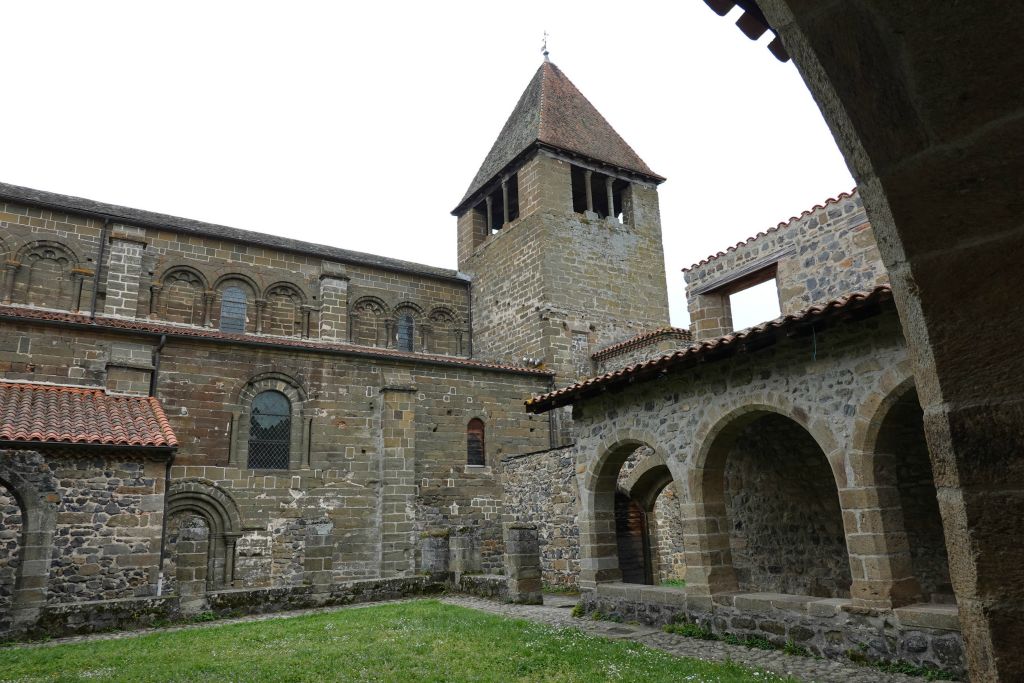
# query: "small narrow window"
[[232, 310], [475, 442], [405, 332], [270, 431]]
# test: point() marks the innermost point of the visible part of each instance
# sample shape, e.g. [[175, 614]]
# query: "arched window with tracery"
[[232, 309], [270, 431], [406, 330], [475, 443]]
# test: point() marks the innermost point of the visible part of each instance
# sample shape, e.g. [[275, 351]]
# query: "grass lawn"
[[420, 641]]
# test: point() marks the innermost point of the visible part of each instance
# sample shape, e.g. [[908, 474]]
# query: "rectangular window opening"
[[756, 303]]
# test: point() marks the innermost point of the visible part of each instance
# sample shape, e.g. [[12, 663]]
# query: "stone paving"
[[557, 613]]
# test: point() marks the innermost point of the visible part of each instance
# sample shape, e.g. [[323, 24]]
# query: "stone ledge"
[[934, 616]]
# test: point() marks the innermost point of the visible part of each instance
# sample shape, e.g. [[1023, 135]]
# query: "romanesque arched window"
[[475, 442], [232, 309], [406, 329], [270, 431]]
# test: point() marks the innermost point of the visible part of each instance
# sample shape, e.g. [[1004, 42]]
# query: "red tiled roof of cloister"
[[642, 339], [45, 413], [817, 207], [553, 112], [190, 331], [708, 349]]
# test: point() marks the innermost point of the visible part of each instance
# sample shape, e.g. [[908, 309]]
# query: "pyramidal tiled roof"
[[552, 111], [81, 415]]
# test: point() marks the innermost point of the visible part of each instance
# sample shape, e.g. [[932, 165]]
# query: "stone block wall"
[[556, 285], [541, 489], [77, 528], [825, 253], [50, 259]]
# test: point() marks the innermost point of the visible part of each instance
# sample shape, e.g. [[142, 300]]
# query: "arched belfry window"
[[475, 442], [232, 310], [405, 332], [270, 431]]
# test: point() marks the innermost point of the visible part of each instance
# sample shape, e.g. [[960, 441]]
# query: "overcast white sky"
[[361, 124]]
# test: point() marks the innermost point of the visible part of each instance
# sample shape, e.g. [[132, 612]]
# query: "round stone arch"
[[219, 510], [284, 309], [253, 291], [415, 312], [709, 559], [37, 501], [368, 321], [60, 289], [599, 561], [442, 331], [161, 304], [241, 415], [894, 573], [647, 480]]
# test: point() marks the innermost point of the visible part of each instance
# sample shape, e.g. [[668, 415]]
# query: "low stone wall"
[[235, 602], [923, 635], [491, 586], [540, 488], [81, 618]]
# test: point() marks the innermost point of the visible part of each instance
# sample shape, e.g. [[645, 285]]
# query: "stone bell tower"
[[561, 234]]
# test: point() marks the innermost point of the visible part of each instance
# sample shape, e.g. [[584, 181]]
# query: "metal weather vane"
[[544, 48]]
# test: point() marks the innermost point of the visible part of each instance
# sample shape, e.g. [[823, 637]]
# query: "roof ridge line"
[[781, 225]]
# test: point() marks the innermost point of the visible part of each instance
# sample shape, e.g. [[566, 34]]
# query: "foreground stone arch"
[[913, 95]]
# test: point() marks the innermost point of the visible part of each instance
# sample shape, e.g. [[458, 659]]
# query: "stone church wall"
[[540, 488]]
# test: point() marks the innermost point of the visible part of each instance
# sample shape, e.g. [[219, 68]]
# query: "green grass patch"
[[418, 641], [674, 583]]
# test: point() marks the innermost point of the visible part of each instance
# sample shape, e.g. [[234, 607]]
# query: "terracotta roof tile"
[[253, 339], [784, 224], [655, 367], [642, 340], [44, 413], [552, 111]]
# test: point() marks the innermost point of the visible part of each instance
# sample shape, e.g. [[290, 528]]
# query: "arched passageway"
[[773, 491], [902, 463], [11, 530], [647, 520]]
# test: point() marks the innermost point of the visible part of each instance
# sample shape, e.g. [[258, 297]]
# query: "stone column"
[[522, 563], [590, 190], [608, 186], [154, 300], [124, 267], [333, 304], [307, 314], [12, 271], [397, 480], [504, 199], [490, 215], [261, 315], [209, 297], [78, 275], [710, 315]]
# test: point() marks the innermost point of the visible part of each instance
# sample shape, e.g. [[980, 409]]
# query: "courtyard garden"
[[416, 641]]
